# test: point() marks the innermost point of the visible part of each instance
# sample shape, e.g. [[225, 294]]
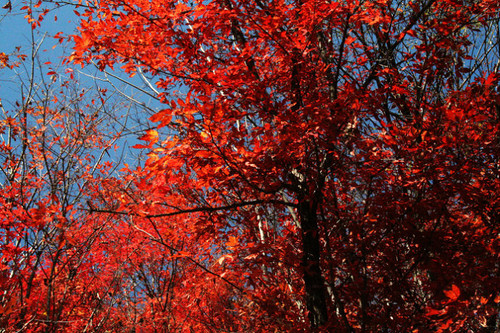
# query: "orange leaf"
[[349, 40], [151, 136], [452, 294], [164, 116], [233, 241], [434, 312]]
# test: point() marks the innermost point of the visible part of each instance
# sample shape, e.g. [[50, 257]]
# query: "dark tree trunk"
[[313, 279]]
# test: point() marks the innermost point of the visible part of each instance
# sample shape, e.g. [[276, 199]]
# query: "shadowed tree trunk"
[[313, 280]]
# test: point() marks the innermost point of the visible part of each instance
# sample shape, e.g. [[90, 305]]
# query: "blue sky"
[[15, 31]]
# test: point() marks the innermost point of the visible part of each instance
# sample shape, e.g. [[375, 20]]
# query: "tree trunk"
[[313, 279]]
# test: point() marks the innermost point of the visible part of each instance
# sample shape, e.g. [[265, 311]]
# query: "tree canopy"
[[317, 166]]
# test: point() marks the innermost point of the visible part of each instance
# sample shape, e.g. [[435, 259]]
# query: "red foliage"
[[330, 166]]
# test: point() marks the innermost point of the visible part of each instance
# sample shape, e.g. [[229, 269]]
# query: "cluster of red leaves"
[[332, 166], [54, 272], [345, 139]]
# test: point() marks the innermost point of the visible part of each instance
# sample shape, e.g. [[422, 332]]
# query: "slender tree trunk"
[[313, 279]]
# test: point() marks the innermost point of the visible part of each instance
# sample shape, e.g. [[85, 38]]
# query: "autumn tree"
[[57, 137], [317, 166]]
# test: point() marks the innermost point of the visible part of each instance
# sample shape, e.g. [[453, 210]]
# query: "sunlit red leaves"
[[352, 108], [163, 117], [51, 255], [4, 60], [151, 137], [453, 294]]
